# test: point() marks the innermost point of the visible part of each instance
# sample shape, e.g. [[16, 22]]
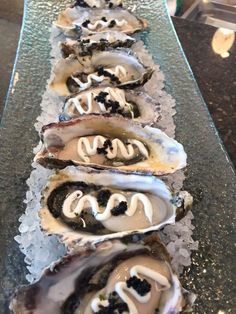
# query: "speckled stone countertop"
[[215, 76]]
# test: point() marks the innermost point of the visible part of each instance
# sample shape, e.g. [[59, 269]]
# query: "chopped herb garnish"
[[101, 297], [116, 305]]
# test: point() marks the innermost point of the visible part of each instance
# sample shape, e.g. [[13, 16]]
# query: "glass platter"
[[210, 176]]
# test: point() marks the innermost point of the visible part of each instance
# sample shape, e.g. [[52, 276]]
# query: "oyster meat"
[[77, 21], [133, 278], [104, 205], [98, 3], [117, 67], [110, 143], [100, 42], [133, 105]]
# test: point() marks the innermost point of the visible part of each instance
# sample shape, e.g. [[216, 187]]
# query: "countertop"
[[216, 77]]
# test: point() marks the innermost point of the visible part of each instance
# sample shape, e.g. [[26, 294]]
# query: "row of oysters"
[[105, 200]]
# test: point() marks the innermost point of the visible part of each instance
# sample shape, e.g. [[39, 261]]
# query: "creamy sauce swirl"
[[77, 103], [89, 82], [100, 3], [85, 201], [104, 24], [119, 70], [121, 288], [85, 148]]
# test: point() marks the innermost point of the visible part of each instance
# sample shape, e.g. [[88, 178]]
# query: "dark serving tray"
[[210, 176]]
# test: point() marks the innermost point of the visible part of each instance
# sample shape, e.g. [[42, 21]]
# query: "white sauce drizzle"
[[111, 39], [102, 24], [87, 84], [76, 102], [85, 148], [85, 201], [96, 3], [121, 288], [119, 70]]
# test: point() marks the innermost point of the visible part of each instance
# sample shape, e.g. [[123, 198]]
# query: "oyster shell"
[[84, 205], [114, 67], [137, 106], [77, 21], [100, 42], [132, 278], [110, 143], [98, 3]]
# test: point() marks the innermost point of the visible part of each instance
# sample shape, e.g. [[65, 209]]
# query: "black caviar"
[[112, 24], [112, 77], [112, 105], [119, 209], [85, 41], [103, 197], [86, 23], [103, 150], [81, 3], [142, 287], [101, 97]]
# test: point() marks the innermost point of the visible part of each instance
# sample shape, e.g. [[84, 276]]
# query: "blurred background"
[[206, 29]]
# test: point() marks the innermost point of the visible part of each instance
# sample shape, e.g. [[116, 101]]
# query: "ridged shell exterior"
[[99, 42], [65, 68], [70, 21], [149, 109], [108, 180], [166, 155], [63, 278]]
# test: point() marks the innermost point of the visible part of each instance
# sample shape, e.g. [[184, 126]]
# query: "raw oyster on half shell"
[[118, 68], [134, 105], [85, 205], [98, 3], [106, 142], [77, 21], [133, 278], [100, 42]]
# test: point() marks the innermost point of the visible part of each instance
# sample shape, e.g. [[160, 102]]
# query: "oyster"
[[98, 3], [133, 278], [85, 205], [114, 67], [100, 42], [77, 21], [134, 105], [110, 142]]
